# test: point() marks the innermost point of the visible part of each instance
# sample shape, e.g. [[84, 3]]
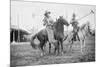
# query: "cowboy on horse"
[[74, 23], [54, 33], [48, 22]]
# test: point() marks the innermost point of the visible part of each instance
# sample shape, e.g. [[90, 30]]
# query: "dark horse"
[[58, 28]]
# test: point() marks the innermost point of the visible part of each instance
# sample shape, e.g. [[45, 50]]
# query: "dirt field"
[[24, 55]]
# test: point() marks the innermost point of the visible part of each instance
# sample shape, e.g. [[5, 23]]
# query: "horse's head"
[[85, 27], [59, 27], [63, 21], [88, 26]]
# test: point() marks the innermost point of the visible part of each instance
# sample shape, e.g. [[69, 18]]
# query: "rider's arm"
[[76, 22], [45, 21], [71, 22]]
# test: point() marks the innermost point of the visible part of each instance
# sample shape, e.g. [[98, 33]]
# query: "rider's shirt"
[[48, 22], [74, 24]]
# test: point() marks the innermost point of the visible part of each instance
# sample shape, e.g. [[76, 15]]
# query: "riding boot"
[[78, 38], [74, 36]]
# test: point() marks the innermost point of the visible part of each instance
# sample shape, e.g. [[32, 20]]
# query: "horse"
[[82, 32], [58, 28]]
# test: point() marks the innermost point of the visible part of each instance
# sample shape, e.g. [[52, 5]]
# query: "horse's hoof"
[[71, 51], [42, 54], [82, 53], [62, 53]]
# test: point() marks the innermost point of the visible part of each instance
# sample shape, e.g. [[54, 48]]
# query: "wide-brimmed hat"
[[47, 12]]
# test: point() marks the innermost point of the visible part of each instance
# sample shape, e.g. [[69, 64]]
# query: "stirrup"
[[54, 41]]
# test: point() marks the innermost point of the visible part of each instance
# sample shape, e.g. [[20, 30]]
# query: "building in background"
[[17, 35]]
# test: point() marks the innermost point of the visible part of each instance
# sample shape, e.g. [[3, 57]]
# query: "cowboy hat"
[[47, 12]]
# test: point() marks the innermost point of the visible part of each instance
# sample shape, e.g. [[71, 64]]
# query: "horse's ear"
[[88, 22], [60, 16]]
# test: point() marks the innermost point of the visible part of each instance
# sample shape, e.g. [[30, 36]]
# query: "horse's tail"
[[32, 41]]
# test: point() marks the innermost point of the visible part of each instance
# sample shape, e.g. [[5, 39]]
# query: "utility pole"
[[91, 12], [18, 28], [13, 31], [13, 36]]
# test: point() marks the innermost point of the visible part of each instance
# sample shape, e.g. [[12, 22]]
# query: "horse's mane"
[[83, 26], [55, 23]]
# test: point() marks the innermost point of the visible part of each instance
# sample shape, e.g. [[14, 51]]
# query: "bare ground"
[[24, 55]]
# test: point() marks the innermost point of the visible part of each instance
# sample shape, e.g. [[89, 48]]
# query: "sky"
[[28, 15]]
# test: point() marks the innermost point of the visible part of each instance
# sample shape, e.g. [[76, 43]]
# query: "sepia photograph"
[[44, 33]]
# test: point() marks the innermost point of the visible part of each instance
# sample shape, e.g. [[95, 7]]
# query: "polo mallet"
[[91, 12]]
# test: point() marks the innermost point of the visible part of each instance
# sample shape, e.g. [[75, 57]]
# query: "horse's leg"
[[56, 47], [41, 47], [78, 37], [81, 37], [61, 43], [49, 47], [70, 43], [70, 50], [84, 42], [55, 50], [81, 46]]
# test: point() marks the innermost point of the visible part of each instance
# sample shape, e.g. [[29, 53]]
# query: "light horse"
[[58, 28], [83, 31]]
